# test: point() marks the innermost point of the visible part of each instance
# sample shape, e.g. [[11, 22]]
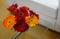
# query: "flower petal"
[[9, 21], [21, 27]]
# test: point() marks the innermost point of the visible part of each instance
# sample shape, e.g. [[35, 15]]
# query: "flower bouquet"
[[21, 18]]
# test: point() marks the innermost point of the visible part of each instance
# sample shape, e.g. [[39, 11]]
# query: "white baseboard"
[[46, 24], [57, 28]]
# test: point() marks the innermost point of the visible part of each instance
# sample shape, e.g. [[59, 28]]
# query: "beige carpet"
[[38, 32]]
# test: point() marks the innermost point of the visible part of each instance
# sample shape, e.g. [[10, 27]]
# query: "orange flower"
[[31, 20], [9, 21]]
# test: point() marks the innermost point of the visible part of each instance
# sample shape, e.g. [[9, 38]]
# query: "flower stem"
[[16, 35]]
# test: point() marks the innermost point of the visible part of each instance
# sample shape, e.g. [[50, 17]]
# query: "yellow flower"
[[31, 20], [9, 21]]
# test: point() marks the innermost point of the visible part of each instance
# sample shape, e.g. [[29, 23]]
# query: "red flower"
[[31, 12], [15, 12], [21, 27], [19, 19], [24, 9], [13, 8], [20, 15]]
